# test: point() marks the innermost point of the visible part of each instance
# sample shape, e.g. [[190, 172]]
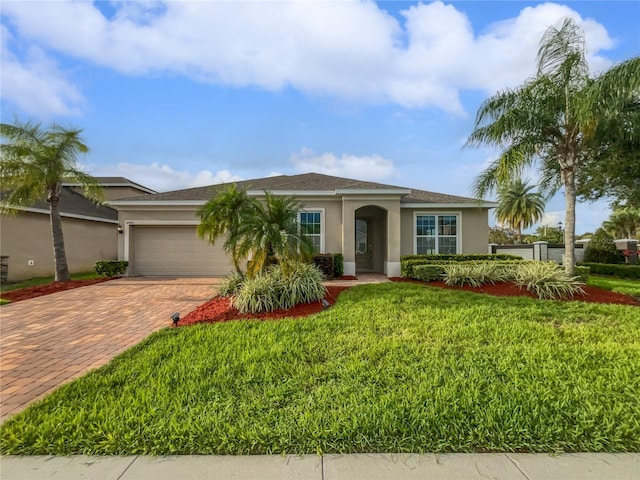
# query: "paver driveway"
[[49, 340]]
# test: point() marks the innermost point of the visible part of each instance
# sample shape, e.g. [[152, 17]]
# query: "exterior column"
[[348, 237], [541, 251], [392, 263]]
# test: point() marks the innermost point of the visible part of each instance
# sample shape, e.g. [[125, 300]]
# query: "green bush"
[[622, 271], [275, 289], [110, 268], [582, 273], [231, 285], [547, 280], [338, 265], [602, 249], [428, 273], [325, 262], [409, 262]]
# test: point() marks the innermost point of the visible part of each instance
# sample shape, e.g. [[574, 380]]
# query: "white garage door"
[[176, 251]]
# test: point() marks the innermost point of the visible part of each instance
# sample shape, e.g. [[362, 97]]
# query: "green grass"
[[627, 286], [36, 281], [390, 368]]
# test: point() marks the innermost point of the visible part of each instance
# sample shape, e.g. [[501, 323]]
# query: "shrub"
[[338, 265], [547, 280], [276, 289], [582, 273], [428, 273], [602, 249], [110, 268], [231, 285], [622, 271], [476, 274], [325, 262], [409, 262]]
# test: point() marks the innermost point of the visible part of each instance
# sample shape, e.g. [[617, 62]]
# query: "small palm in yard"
[[223, 214], [34, 164], [270, 233], [518, 206]]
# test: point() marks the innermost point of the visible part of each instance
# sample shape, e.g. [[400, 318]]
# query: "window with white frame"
[[436, 233], [311, 227]]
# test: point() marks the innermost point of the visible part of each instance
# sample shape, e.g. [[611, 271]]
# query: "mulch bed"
[[218, 309], [506, 289], [40, 290]]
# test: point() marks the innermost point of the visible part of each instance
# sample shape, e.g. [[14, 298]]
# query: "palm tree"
[[34, 164], [223, 214], [519, 207], [623, 223], [552, 120], [270, 233]]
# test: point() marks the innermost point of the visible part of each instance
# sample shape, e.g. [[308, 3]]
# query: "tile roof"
[[74, 203], [302, 182]]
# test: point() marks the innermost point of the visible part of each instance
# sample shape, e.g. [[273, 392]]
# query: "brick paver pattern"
[[50, 340]]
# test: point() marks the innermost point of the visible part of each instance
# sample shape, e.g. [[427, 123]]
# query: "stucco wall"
[[27, 236], [474, 228]]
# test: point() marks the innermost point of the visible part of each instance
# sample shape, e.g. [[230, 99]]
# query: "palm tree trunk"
[[569, 221], [59, 255]]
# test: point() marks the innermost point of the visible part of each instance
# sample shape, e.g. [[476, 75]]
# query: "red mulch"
[[40, 290], [505, 289], [218, 310]]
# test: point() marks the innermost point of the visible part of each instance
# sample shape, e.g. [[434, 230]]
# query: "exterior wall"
[[474, 228], [538, 251], [27, 236], [332, 222]]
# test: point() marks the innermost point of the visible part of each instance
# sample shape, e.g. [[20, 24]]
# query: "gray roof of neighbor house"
[[117, 182], [309, 182], [76, 204]]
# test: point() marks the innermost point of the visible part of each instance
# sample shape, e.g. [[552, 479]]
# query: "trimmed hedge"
[[623, 271], [110, 268], [338, 265], [582, 272], [330, 264], [409, 262]]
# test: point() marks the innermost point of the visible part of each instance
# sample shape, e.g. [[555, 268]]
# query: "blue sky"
[[181, 94]]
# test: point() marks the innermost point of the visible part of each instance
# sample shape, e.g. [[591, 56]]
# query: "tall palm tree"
[[270, 233], [223, 214], [519, 207], [552, 120], [34, 164]]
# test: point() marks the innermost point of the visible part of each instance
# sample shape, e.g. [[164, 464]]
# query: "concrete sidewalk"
[[454, 466]]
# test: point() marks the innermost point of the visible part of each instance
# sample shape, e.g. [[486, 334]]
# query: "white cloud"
[[349, 50], [369, 167], [163, 178], [35, 84]]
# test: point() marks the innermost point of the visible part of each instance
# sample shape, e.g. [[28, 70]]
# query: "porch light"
[[176, 318], [120, 230]]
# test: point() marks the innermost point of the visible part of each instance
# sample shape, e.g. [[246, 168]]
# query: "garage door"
[[176, 251]]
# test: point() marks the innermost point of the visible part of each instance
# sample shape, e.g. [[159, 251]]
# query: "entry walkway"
[[497, 466], [50, 340]]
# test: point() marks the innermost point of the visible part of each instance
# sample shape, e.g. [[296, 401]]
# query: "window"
[[436, 233], [311, 227]]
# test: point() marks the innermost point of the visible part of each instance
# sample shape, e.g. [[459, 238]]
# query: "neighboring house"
[[371, 224], [90, 231]]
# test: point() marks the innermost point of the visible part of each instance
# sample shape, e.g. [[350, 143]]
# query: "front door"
[[364, 246]]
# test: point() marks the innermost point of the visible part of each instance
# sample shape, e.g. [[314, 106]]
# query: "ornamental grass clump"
[[277, 288], [475, 274], [547, 280], [231, 285]]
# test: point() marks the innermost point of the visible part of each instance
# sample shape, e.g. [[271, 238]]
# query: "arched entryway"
[[370, 239]]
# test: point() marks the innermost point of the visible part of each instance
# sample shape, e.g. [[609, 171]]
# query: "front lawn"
[[628, 286], [391, 367]]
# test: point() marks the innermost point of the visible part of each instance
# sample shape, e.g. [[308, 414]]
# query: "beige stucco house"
[[371, 224], [90, 231]]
